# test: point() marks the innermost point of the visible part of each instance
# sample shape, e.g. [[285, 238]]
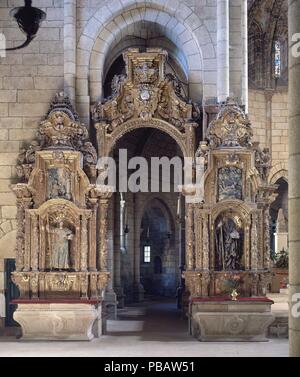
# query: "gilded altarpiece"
[[145, 97], [231, 224], [58, 254]]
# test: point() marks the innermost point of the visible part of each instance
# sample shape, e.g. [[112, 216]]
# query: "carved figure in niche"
[[230, 183], [202, 152], [116, 84], [229, 244], [263, 162], [177, 86], [59, 185], [59, 244]]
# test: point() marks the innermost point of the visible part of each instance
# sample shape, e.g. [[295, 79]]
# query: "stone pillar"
[[138, 288], [268, 97], [35, 243], [103, 249], [205, 243], [253, 241], [189, 235], [223, 49], [93, 241], [70, 48], [294, 176], [20, 249], [84, 244], [244, 14], [110, 297], [120, 248]]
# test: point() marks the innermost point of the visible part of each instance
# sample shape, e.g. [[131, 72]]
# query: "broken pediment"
[[145, 93], [60, 131], [231, 129]]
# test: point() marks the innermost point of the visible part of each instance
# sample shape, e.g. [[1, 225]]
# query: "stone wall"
[[28, 80], [258, 113]]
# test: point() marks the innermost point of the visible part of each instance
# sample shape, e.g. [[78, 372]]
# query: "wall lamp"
[[29, 20]]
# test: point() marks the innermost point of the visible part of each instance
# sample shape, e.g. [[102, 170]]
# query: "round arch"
[[136, 124], [164, 207], [236, 206], [278, 171], [181, 26]]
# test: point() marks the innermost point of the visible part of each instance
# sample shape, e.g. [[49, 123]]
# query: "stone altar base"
[[66, 320], [223, 320]]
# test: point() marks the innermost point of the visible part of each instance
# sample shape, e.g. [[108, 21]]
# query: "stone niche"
[[59, 270], [232, 224]]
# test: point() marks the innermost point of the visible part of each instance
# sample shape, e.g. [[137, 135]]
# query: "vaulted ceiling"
[[268, 22]]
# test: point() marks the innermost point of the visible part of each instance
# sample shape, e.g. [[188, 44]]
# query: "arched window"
[[147, 254], [277, 59], [255, 54]]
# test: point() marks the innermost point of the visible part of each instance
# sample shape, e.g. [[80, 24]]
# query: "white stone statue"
[[60, 246]]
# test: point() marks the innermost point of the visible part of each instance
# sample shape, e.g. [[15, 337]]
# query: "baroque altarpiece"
[[58, 255], [231, 227]]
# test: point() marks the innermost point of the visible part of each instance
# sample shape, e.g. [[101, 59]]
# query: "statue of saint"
[[228, 246], [59, 184], [60, 246]]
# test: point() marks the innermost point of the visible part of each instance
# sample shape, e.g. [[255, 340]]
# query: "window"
[[147, 254], [277, 61]]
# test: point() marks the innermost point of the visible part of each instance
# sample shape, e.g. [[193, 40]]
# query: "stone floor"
[[154, 329]]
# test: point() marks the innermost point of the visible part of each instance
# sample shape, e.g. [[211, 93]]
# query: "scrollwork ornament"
[[231, 129]]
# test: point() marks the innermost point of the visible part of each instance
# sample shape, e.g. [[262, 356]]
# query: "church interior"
[[111, 87]]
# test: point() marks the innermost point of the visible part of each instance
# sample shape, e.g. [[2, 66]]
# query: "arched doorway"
[[147, 219], [159, 251], [279, 217], [146, 119]]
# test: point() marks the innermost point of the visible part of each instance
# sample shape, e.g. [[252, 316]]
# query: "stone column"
[[244, 14], [268, 97], [138, 288], [70, 48], [254, 237], [35, 243], [93, 239], [189, 235], [223, 49], [205, 243], [84, 244], [20, 234], [103, 249], [294, 176], [119, 247]]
